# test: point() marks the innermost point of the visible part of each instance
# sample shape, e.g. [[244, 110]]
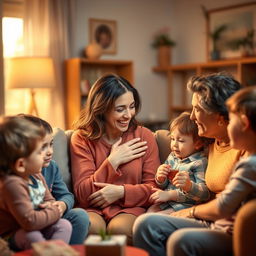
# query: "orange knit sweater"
[[221, 162], [90, 164]]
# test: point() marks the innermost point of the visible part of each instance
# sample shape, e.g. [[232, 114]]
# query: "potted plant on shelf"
[[215, 35], [244, 44], [163, 43]]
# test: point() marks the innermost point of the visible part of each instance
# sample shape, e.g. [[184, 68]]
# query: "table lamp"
[[31, 73]]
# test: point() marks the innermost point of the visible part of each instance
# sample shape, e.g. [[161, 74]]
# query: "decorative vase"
[[93, 51], [164, 55], [215, 55]]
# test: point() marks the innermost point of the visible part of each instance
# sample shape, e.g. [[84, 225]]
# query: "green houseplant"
[[215, 35], [105, 235], [162, 38], [163, 43], [105, 244], [245, 44]]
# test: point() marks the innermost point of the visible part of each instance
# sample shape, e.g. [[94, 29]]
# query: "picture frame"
[[231, 30], [104, 32]]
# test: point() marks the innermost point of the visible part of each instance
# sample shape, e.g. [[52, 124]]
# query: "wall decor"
[[104, 32], [230, 31]]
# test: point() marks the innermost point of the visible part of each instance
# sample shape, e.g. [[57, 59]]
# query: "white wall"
[[190, 27], [137, 21]]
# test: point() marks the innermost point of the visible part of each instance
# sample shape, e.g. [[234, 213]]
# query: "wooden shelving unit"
[[81, 74], [179, 99]]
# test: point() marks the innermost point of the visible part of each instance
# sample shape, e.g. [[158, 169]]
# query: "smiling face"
[[119, 117], [210, 125], [182, 145]]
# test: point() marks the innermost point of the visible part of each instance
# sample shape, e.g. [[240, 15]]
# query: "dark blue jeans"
[[163, 235], [80, 223]]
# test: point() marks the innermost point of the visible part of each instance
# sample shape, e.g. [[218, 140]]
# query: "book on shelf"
[[83, 101], [85, 87], [91, 75]]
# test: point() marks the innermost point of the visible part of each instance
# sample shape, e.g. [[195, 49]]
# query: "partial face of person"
[[235, 133], [182, 145], [207, 123], [104, 40], [34, 162], [119, 117], [47, 149]]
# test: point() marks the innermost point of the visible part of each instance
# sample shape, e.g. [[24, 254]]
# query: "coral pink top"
[[90, 164]]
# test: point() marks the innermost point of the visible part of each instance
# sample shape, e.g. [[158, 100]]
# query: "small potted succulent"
[[105, 244], [104, 234], [163, 43]]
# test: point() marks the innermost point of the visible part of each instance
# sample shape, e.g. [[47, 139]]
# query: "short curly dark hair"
[[214, 90]]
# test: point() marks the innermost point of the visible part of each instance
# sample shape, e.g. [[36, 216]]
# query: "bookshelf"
[[81, 73], [179, 99]]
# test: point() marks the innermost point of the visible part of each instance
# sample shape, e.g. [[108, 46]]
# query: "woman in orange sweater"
[[196, 233], [113, 159]]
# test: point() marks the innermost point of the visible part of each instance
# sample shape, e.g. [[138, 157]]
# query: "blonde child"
[[186, 159], [27, 210]]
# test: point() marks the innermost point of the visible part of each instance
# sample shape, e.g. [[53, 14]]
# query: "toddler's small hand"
[[45, 205], [161, 179], [61, 205], [182, 181], [162, 172]]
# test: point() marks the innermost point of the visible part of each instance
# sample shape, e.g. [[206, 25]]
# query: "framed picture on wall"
[[231, 31], [104, 32]]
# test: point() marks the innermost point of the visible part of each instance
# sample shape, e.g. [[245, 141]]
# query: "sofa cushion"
[[61, 153], [163, 142]]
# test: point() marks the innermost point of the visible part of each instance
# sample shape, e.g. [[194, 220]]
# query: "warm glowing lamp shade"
[[32, 73]]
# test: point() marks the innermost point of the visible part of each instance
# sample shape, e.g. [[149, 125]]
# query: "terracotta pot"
[[93, 51], [164, 56]]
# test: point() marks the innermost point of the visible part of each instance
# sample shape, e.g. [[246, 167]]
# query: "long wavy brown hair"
[[101, 99]]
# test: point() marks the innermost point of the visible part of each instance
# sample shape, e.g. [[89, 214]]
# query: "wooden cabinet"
[[179, 99], [81, 74]]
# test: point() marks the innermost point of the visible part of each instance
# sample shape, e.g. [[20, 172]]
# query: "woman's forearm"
[[208, 211]]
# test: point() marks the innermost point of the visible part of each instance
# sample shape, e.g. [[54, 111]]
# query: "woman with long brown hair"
[[113, 158]]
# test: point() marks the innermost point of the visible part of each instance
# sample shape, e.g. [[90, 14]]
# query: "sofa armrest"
[[163, 142], [244, 230]]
